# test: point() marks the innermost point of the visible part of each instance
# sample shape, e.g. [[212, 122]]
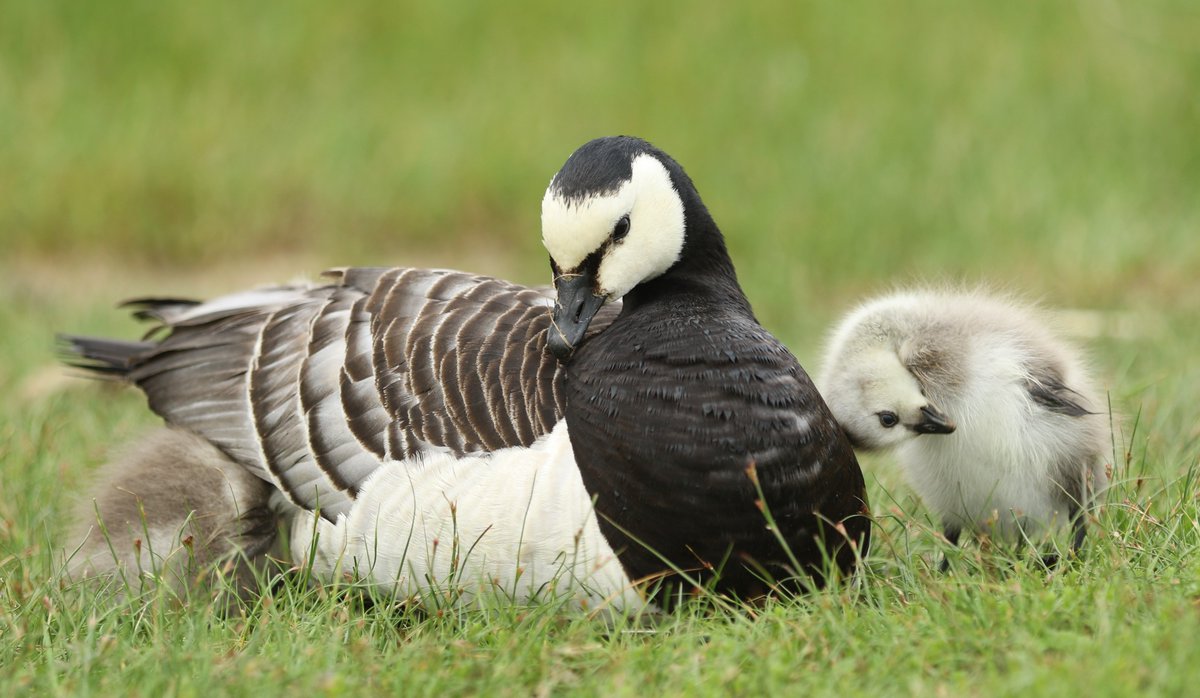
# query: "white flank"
[[514, 525]]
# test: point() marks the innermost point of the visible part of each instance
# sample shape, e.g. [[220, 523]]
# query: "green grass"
[[1051, 148]]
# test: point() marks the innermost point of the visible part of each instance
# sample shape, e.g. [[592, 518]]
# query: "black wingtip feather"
[[103, 358], [155, 308]]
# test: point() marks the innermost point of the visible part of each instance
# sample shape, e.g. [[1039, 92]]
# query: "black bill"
[[574, 309], [933, 422]]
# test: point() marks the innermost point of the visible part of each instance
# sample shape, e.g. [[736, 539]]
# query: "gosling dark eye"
[[888, 419], [621, 229]]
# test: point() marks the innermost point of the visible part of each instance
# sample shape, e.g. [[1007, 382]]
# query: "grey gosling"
[[993, 418]]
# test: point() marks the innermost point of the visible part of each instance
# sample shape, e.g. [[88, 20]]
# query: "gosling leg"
[[952, 533], [1078, 528]]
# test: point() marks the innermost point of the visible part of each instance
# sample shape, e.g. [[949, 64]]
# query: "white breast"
[[515, 524]]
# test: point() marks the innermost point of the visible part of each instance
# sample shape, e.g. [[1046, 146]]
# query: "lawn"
[[1052, 149]]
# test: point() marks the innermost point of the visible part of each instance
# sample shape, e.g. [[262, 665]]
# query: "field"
[[1052, 149]]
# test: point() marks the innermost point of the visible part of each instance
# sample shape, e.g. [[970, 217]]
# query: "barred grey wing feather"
[[314, 388], [438, 322]]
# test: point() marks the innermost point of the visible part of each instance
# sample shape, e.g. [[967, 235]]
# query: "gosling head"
[[612, 219], [878, 401]]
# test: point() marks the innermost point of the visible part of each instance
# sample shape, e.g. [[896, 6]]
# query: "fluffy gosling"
[[993, 418], [169, 508]]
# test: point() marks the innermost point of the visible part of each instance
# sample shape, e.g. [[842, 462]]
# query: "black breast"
[[669, 409]]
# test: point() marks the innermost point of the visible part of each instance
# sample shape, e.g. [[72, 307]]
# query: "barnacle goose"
[[423, 428], [994, 419]]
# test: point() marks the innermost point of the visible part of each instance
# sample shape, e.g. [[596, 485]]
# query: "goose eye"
[[621, 229], [888, 419]]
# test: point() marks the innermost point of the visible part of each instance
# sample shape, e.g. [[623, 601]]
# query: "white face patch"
[[867, 383], [572, 230]]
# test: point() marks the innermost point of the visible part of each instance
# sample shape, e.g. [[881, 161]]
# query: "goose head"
[[614, 217], [877, 400]]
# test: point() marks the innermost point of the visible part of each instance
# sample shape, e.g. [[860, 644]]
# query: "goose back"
[[313, 388]]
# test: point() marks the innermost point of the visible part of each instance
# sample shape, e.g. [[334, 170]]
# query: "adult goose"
[[440, 433]]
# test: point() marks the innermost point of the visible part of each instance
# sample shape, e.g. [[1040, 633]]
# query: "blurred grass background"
[[1052, 145], [1052, 148]]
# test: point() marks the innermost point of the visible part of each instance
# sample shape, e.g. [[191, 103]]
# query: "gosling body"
[[993, 418]]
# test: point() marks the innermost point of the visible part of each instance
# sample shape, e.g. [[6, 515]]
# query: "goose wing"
[[313, 388]]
